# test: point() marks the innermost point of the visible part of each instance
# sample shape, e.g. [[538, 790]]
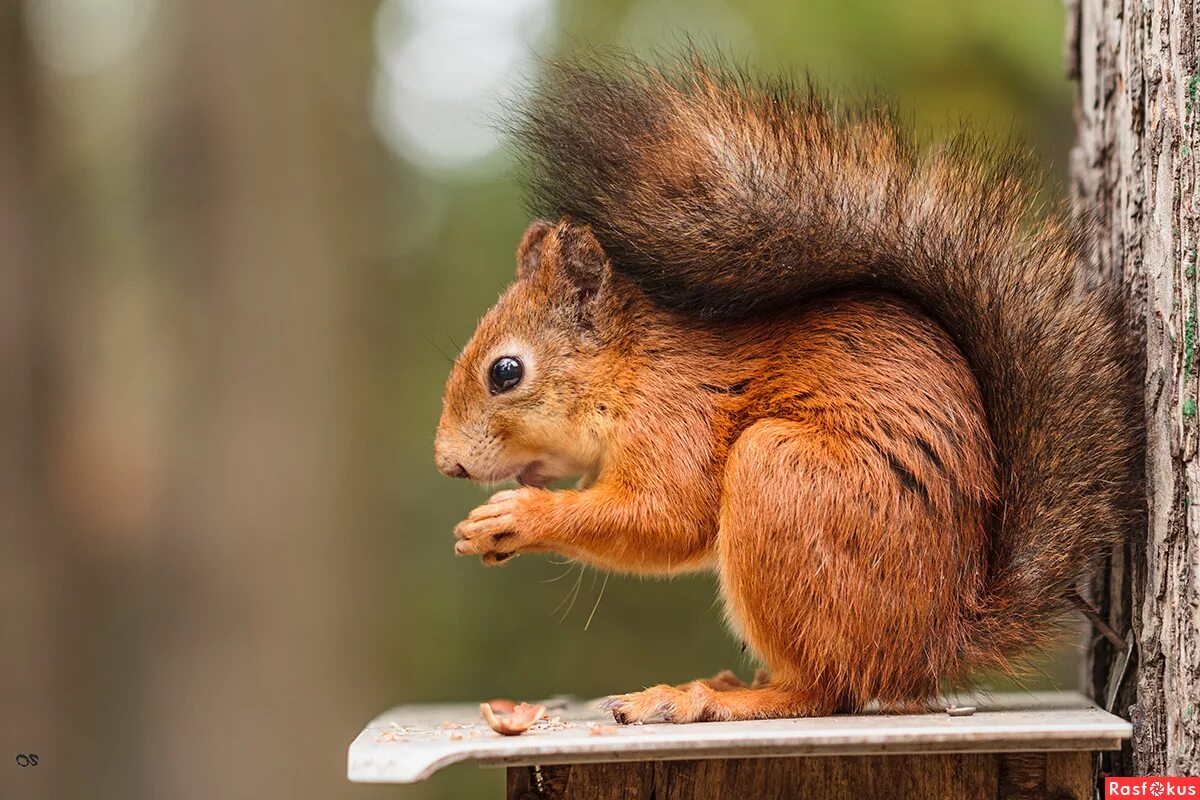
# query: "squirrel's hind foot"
[[712, 700], [727, 679]]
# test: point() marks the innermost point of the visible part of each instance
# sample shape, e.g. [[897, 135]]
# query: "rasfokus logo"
[[1152, 786]]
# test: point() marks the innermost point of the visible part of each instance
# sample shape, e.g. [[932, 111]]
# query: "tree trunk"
[[28, 568], [257, 685], [179, 344], [1135, 168]]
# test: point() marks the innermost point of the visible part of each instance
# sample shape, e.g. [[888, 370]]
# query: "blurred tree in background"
[[239, 243]]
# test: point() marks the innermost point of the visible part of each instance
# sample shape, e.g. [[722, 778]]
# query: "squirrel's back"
[[724, 198]]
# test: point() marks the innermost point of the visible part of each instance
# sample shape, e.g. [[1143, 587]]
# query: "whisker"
[[457, 348], [443, 353], [562, 575], [568, 594], [574, 595], [603, 586]]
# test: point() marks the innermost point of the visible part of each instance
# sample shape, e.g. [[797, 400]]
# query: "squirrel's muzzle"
[[451, 468]]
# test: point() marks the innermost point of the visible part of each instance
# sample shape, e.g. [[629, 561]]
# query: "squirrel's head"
[[524, 399]]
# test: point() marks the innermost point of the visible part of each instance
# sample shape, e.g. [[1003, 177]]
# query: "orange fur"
[[715, 336], [832, 462]]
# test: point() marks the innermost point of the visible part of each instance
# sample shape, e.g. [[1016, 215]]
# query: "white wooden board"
[[410, 743]]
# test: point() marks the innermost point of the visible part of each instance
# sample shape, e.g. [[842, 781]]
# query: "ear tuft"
[[584, 262], [529, 251]]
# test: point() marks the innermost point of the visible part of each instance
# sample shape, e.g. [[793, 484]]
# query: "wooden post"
[[1004, 776], [1134, 167]]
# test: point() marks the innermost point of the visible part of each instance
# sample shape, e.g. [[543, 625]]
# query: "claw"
[[625, 708], [496, 559], [618, 705]]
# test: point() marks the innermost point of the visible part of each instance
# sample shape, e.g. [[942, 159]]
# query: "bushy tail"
[[724, 197]]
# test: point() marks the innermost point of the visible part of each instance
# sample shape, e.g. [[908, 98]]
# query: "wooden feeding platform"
[[1030, 745]]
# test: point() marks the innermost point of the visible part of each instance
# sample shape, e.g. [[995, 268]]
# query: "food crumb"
[[601, 730], [520, 720], [502, 706]]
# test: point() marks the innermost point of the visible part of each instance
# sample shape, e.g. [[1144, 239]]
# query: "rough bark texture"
[[1135, 168]]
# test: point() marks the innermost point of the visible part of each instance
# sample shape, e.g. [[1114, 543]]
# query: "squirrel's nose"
[[452, 469], [444, 456]]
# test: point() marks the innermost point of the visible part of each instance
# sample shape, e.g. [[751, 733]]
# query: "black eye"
[[505, 374]]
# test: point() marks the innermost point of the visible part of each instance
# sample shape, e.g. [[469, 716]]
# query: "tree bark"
[[1134, 168]]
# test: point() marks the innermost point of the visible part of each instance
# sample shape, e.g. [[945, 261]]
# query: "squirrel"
[[864, 383]]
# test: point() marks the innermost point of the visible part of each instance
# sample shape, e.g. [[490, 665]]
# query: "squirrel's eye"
[[505, 374]]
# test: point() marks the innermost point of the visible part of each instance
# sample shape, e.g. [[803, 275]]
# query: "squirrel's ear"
[[584, 262], [529, 251]]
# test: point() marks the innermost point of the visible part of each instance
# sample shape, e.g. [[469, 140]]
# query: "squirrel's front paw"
[[502, 527]]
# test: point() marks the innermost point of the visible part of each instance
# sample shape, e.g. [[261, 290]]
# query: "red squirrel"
[[865, 384]]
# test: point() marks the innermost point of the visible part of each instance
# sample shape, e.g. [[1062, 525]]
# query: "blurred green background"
[[238, 241]]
